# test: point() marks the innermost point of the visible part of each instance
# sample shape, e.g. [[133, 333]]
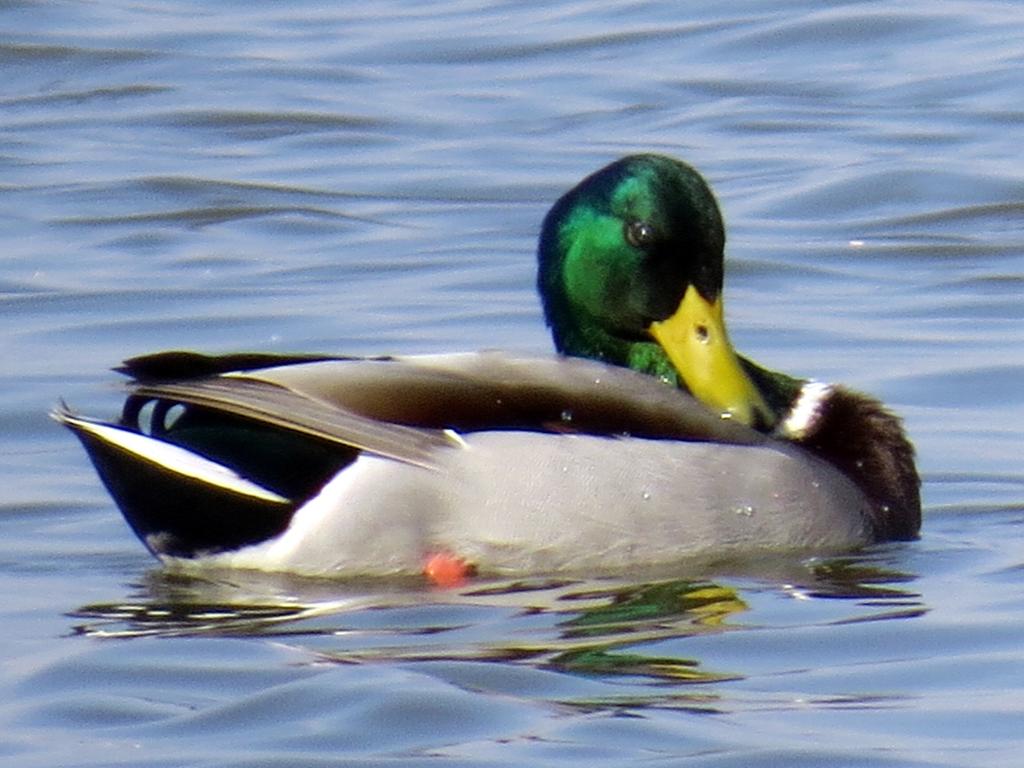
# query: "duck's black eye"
[[639, 234]]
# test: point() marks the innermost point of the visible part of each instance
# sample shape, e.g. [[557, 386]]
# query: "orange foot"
[[447, 570]]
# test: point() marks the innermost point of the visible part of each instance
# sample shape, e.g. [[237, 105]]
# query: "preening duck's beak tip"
[[696, 341]]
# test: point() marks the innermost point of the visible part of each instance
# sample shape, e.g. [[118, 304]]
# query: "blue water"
[[365, 178]]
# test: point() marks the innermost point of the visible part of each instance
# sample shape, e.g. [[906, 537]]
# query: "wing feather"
[[276, 406]]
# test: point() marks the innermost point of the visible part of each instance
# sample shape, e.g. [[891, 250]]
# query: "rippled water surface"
[[360, 178]]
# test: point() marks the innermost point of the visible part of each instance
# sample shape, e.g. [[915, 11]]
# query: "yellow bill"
[[696, 342]]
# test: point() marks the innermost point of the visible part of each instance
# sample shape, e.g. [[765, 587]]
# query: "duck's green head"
[[631, 273]]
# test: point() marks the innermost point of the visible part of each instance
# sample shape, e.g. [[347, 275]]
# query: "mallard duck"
[[645, 440]]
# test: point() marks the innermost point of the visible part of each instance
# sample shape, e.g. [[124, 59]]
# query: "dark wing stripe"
[[275, 406], [491, 390]]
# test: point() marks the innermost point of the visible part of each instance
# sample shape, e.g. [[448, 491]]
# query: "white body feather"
[[565, 507]]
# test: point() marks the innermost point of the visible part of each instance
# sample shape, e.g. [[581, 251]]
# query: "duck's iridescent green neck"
[[617, 253], [631, 264]]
